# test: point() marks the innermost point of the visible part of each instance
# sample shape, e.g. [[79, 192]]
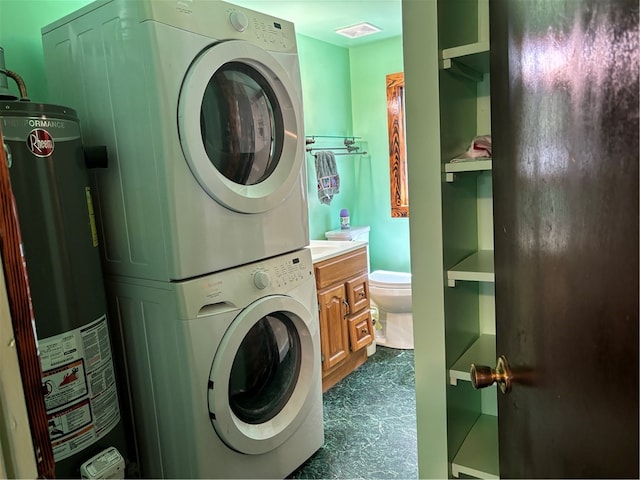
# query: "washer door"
[[263, 375], [238, 117]]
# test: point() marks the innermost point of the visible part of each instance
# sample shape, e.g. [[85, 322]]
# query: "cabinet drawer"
[[338, 268], [360, 330], [358, 292]]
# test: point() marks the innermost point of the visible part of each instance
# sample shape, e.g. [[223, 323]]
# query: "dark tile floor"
[[369, 423]]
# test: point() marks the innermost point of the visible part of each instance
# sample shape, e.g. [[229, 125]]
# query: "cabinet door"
[[358, 292], [360, 330], [334, 334]]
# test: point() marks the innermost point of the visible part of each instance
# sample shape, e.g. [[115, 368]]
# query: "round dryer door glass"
[[265, 370], [241, 124]]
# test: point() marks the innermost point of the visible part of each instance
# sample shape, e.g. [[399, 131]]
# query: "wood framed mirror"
[[397, 151]]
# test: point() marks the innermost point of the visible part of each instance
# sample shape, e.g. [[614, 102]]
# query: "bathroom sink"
[[325, 249], [318, 250]]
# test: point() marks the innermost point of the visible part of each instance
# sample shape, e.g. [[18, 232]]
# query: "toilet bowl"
[[391, 295]]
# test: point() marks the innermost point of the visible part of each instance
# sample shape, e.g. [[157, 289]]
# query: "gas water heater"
[[50, 183]]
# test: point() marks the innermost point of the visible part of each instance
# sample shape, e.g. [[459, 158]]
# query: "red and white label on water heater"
[[40, 142], [78, 379]]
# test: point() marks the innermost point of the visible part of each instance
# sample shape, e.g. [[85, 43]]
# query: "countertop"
[[325, 249]]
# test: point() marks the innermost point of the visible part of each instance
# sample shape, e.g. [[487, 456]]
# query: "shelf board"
[[469, 50], [470, 61], [477, 267], [482, 352], [452, 168], [478, 455]]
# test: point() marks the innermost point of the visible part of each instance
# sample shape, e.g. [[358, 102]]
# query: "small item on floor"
[[328, 178]]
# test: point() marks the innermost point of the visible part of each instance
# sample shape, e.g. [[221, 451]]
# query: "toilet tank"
[[357, 234]]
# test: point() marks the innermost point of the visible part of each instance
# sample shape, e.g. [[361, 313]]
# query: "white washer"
[[199, 105], [225, 370]]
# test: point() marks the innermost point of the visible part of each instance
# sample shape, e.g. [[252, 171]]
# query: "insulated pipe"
[[5, 93], [21, 85], [4, 85]]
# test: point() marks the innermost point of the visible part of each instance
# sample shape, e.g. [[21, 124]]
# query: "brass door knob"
[[483, 376]]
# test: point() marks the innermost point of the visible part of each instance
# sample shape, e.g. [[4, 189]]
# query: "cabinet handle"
[[346, 308]]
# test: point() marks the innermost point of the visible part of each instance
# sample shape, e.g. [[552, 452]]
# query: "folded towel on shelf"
[[328, 178], [480, 148]]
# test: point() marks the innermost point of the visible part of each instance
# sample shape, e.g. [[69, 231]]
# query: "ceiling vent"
[[359, 30]]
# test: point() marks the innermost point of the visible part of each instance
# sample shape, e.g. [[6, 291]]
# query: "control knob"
[[239, 21], [261, 279]]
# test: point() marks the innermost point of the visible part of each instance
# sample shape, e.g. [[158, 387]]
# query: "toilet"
[[391, 294], [390, 297]]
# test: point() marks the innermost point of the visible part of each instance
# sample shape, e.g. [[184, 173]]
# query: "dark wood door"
[[564, 90]]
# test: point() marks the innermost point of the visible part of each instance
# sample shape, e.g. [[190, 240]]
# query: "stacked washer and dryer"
[[203, 221]]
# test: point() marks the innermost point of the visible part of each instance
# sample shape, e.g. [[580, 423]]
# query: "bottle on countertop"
[[344, 219]]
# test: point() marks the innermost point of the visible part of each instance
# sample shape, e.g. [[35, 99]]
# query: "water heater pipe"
[[5, 94], [21, 85]]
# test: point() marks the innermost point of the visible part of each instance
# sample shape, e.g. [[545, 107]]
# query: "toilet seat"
[[390, 280]]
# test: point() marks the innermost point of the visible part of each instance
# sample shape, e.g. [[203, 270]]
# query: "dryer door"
[[263, 375], [240, 124]]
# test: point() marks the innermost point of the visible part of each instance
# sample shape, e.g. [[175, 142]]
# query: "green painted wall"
[[389, 237], [20, 24], [326, 91], [345, 94]]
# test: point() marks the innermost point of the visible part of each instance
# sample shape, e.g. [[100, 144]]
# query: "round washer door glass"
[[265, 369], [264, 375], [239, 121]]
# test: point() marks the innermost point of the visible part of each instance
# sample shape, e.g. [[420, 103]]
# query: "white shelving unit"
[[467, 225], [477, 267], [471, 50], [478, 455], [463, 166], [481, 352], [470, 61]]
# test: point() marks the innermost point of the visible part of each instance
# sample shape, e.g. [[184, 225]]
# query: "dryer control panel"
[[272, 33], [216, 20]]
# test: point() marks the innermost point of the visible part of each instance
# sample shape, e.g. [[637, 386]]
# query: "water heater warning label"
[[79, 386]]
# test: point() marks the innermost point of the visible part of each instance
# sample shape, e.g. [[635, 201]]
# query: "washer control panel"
[[238, 287], [288, 271]]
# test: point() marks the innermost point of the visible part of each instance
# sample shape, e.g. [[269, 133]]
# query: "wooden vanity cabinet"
[[346, 328], [334, 334]]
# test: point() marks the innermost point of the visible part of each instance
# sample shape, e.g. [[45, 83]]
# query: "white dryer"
[[199, 105], [225, 370]]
